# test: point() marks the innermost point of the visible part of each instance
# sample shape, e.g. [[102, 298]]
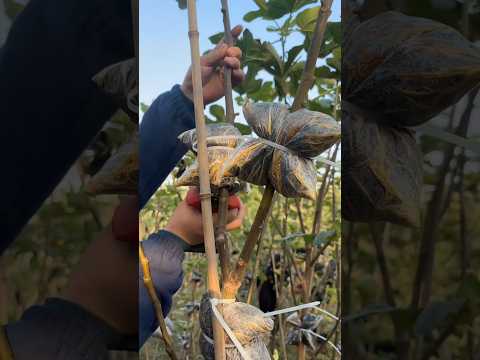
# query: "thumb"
[[215, 57]]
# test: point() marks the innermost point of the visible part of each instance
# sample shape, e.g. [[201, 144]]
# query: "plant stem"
[[236, 276], [147, 280], [308, 75], [221, 235], [280, 317], [422, 285], [205, 194], [230, 113]]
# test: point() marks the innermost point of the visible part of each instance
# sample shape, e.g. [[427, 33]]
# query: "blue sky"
[[164, 45]]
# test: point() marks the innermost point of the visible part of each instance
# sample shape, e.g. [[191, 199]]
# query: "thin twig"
[[147, 280], [230, 113], [236, 276], [308, 77]]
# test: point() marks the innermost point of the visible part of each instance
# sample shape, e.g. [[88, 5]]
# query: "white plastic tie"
[[292, 309], [324, 339]]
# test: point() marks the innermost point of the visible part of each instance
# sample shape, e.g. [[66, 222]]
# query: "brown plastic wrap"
[[119, 175], [217, 155], [217, 135], [381, 170], [120, 81], [406, 68], [221, 141], [248, 324], [282, 155]]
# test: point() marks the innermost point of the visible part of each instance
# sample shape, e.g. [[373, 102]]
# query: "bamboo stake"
[[205, 194], [147, 280]]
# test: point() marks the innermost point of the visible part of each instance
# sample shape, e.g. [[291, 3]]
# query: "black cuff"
[[60, 329], [181, 243]]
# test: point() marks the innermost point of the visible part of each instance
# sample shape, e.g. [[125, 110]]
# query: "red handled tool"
[[193, 200]]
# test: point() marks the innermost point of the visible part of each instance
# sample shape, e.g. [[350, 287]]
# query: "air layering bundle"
[[407, 68], [398, 71], [282, 154]]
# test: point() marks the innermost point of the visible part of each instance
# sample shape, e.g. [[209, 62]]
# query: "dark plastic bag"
[[282, 155], [406, 68], [381, 170], [120, 173], [120, 81]]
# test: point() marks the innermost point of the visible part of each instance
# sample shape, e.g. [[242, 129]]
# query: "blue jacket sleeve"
[[170, 114], [62, 330], [165, 252]]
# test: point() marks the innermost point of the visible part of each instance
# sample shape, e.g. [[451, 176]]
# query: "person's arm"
[[50, 107], [60, 330], [165, 252], [160, 150], [173, 113]]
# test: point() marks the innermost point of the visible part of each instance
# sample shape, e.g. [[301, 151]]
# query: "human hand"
[[212, 70], [186, 221], [105, 281]]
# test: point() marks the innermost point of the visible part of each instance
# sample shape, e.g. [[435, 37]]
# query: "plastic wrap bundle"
[[381, 170], [221, 141], [282, 155], [120, 81], [409, 69], [298, 334], [120, 173], [248, 324]]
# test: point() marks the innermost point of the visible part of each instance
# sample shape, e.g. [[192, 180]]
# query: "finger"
[[237, 222], [214, 57], [232, 63], [235, 52], [236, 31], [232, 214], [237, 76]]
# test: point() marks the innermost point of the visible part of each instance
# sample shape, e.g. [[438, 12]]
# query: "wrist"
[[186, 92], [179, 233]]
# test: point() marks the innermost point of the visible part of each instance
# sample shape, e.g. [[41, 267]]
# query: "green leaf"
[[435, 315], [144, 107], [273, 52], [293, 236], [324, 72], [266, 93], [336, 60], [306, 19], [324, 237], [252, 15], [448, 137], [262, 4], [215, 39], [218, 112], [244, 129], [292, 55]]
